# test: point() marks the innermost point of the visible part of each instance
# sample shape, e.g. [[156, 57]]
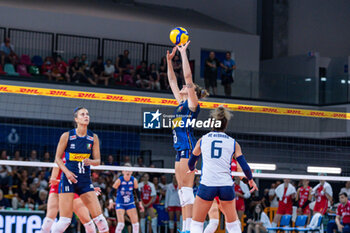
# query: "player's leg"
[[66, 212], [251, 228], [132, 213], [178, 217], [83, 214], [121, 221], [178, 176], [200, 211], [187, 190], [52, 210], [276, 219], [91, 202], [171, 213], [154, 219], [228, 203], [213, 218]]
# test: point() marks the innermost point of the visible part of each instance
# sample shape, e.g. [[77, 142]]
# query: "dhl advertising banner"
[[168, 102]]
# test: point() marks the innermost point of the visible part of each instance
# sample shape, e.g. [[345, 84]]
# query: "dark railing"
[[111, 49], [155, 52], [69, 46], [31, 42], [2, 34]]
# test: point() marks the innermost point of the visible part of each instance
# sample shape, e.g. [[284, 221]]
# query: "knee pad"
[[101, 223], [135, 227], [196, 227], [47, 224], [179, 192], [187, 196], [171, 224], [212, 226], [119, 227], [62, 224], [233, 227], [90, 227]]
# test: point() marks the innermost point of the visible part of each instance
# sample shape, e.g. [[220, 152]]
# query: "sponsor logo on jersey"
[[79, 157], [124, 182], [130, 182], [123, 189], [73, 137], [72, 146], [130, 188], [88, 146], [180, 109], [90, 138]]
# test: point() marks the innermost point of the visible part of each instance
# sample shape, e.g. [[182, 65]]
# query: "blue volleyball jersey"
[[78, 149], [125, 192], [183, 135]]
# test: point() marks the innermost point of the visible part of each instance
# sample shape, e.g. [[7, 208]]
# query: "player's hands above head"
[[253, 186], [53, 182], [170, 56], [183, 48], [71, 177]]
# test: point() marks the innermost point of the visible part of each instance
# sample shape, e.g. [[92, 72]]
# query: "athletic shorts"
[[183, 154], [321, 207], [125, 207], [54, 189], [174, 208], [225, 193], [83, 185], [240, 206], [285, 209]]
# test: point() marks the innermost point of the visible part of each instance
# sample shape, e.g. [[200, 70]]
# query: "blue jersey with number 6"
[[182, 127], [78, 149], [217, 151]]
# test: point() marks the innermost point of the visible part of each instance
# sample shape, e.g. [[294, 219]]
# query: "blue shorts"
[[182, 154], [125, 206], [225, 193], [83, 185]]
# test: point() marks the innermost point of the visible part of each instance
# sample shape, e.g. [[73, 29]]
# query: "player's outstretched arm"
[[192, 95], [96, 161], [171, 75], [195, 156], [245, 167]]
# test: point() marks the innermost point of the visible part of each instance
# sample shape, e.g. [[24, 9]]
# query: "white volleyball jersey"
[[217, 151]]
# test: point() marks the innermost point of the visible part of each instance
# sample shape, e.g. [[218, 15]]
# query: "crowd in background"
[[27, 188], [117, 72]]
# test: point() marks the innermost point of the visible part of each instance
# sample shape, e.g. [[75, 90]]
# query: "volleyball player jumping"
[[217, 149], [78, 145], [184, 140]]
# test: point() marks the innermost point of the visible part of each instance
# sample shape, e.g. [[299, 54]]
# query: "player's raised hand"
[[170, 56], [253, 186], [183, 47]]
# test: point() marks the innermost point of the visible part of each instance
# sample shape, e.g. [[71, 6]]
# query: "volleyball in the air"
[[179, 36]]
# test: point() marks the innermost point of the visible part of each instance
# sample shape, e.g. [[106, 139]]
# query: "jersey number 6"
[[215, 150]]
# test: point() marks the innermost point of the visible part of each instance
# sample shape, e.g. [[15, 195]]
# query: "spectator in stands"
[[143, 76], [5, 171], [272, 196], [346, 189], [342, 220], [228, 66], [97, 68], [40, 181], [7, 51], [259, 222], [286, 193], [62, 69], [47, 157], [127, 159], [155, 181], [172, 204], [17, 156], [164, 85], [33, 195], [47, 67], [155, 77], [108, 71], [42, 201], [110, 161], [86, 69], [163, 184], [23, 195], [211, 72], [123, 64], [4, 202], [33, 156], [177, 65], [265, 202]]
